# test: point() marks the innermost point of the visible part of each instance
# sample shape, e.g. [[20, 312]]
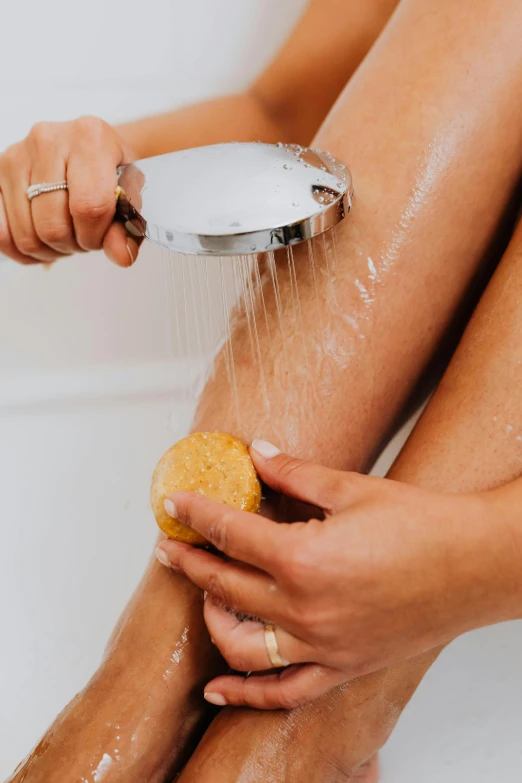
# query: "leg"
[[138, 715], [409, 238], [360, 371], [469, 438], [160, 654]]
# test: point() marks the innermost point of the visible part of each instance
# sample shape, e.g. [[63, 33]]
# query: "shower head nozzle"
[[234, 199]]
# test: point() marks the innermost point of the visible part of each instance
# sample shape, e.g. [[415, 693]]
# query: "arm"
[[290, 99], [287, 103]]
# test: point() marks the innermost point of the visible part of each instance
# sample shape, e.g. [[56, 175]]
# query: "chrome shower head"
[[234, 199]]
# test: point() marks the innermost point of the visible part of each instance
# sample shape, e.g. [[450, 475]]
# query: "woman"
[[433, 137]]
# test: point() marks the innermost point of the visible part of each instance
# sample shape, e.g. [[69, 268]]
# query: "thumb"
[[329, 490], [119, 246]]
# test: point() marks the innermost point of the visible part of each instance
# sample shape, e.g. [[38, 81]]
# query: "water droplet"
[[287, 167], [323, 168], [253, 247], [321, 198], [295, 203], [279, 144]]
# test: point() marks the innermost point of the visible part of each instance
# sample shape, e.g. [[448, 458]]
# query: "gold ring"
[[272, 648]]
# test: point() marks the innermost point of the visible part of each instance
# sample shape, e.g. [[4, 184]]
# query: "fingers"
[[85, 153], [14, 180], [91, 176], [242, 643], [285, 690], [50, 211], [7, 245], [239, 587], [119, 246], [330, 490], [241, 535]]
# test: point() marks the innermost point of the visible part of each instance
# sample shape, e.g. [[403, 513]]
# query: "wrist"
[[130, 136], [505, 515], [487, 563]]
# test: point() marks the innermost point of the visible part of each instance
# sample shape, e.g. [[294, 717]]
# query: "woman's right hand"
[[85, 153]]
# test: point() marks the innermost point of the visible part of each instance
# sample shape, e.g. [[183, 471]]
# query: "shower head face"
[[234, 199]]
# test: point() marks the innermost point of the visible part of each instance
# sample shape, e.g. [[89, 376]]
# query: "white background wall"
[[90, 395]]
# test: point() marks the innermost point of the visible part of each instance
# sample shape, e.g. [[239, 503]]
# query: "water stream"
[[266, 311]]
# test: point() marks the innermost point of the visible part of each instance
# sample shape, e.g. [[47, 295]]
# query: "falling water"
[[227, 307]]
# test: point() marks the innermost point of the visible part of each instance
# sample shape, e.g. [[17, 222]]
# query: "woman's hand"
[[85, 153], [392, 570]]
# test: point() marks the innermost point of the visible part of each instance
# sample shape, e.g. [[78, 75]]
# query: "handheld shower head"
[[234, 199]]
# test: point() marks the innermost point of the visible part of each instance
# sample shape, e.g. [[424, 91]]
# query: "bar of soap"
[[216, 465]]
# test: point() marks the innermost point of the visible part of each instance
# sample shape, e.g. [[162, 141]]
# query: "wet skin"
[[443, 107], [425, 241]]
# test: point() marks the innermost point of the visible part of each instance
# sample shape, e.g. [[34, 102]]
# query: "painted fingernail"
[[215, 698], [162, 556], [266, 449], [170, 507]]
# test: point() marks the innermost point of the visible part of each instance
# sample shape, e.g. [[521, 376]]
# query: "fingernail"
[[215, 698], [129, 246], [162, 556], [266, 449], [170, 507]]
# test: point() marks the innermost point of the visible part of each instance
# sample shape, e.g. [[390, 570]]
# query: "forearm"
[[506, 571], [469, 439], [241, 117], [289, 99]]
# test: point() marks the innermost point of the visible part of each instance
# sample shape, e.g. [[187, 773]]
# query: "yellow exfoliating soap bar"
[[216, 465]]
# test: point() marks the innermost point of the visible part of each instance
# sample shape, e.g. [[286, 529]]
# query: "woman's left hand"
[[391, 570]]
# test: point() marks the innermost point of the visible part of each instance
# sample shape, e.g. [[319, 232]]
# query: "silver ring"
[[272, 648], [44, 187]]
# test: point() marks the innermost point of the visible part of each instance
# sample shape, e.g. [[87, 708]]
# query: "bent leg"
[[406, 256], [468, 439], [418, 220]]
